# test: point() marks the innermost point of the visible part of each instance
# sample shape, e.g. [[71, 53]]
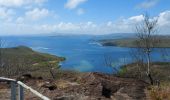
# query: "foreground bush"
[[160, 93]]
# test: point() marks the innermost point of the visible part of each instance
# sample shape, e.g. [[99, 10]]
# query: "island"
[[131, 42]]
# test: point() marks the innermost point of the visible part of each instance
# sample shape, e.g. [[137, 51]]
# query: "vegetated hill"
[[159, 71], [131, 42], [20, 60]]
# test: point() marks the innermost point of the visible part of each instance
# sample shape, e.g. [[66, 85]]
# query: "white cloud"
[[37, 13], [34, 15], [71, 4], [123, 25], [136, 18], [148, 4], [80, 11], [10, 3], [164, 22], [6, 14], [19, 3], [164, 18], [9, 10], [65, 28]]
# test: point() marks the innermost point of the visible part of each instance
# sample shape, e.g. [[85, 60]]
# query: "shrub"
[[160, 93]]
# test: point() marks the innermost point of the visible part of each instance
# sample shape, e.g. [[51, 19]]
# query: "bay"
[[82, 53]]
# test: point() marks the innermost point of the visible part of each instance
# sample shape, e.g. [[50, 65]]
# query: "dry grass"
[[160, 93]]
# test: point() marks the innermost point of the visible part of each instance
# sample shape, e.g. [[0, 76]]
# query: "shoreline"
[[130, 42]]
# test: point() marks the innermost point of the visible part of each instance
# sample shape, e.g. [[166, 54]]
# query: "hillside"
[[21, 60], [159, 70], [130, 42], [84, 86], [160, 74]]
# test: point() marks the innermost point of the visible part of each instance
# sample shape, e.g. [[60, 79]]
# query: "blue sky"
[[96, 17]]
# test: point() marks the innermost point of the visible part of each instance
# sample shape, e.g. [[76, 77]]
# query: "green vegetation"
[[131, 42], [23, 60], [160, 71]]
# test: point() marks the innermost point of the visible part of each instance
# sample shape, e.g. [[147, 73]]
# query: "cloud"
[[19, 3], [6, 14], [136, 18], [122, 25], [80, 11], [148, 4], [37, 13], [9, 10], [164, 18], [34, 15], [164, 22], [72, 4], [67, 28]]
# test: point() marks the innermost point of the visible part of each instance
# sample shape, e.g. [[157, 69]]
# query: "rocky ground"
[[86, 86]]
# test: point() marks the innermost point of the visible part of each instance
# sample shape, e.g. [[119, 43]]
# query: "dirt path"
[[5, 94]]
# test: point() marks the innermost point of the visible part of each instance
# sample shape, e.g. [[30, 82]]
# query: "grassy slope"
[[20, 60], [29, 54], [159, 70], [130, 42]]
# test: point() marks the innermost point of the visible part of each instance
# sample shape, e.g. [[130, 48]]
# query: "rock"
[[72, 97], [49, 86], [103, 85], [92, 86], [25, 77]]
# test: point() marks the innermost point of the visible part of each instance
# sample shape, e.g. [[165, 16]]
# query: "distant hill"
[[130, 42]]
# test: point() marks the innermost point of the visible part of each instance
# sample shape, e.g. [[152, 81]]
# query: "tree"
[[147, 40], [113, 64], [138, 59], [52, 67]]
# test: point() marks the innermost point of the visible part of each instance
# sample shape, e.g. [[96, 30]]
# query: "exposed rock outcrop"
[[91, 86]]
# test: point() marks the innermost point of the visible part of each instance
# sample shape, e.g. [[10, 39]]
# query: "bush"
[[160, 93]]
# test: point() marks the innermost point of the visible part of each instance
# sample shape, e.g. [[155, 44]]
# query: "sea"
[[83, 52]]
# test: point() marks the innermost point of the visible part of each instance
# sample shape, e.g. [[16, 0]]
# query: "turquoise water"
[[82, 53]]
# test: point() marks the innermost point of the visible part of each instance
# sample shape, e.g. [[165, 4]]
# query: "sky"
[[92, 17]]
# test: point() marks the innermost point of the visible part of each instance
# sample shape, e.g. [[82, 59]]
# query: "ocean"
[[82, 52]]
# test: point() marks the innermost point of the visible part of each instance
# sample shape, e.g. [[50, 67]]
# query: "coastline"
[[130, 42]]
